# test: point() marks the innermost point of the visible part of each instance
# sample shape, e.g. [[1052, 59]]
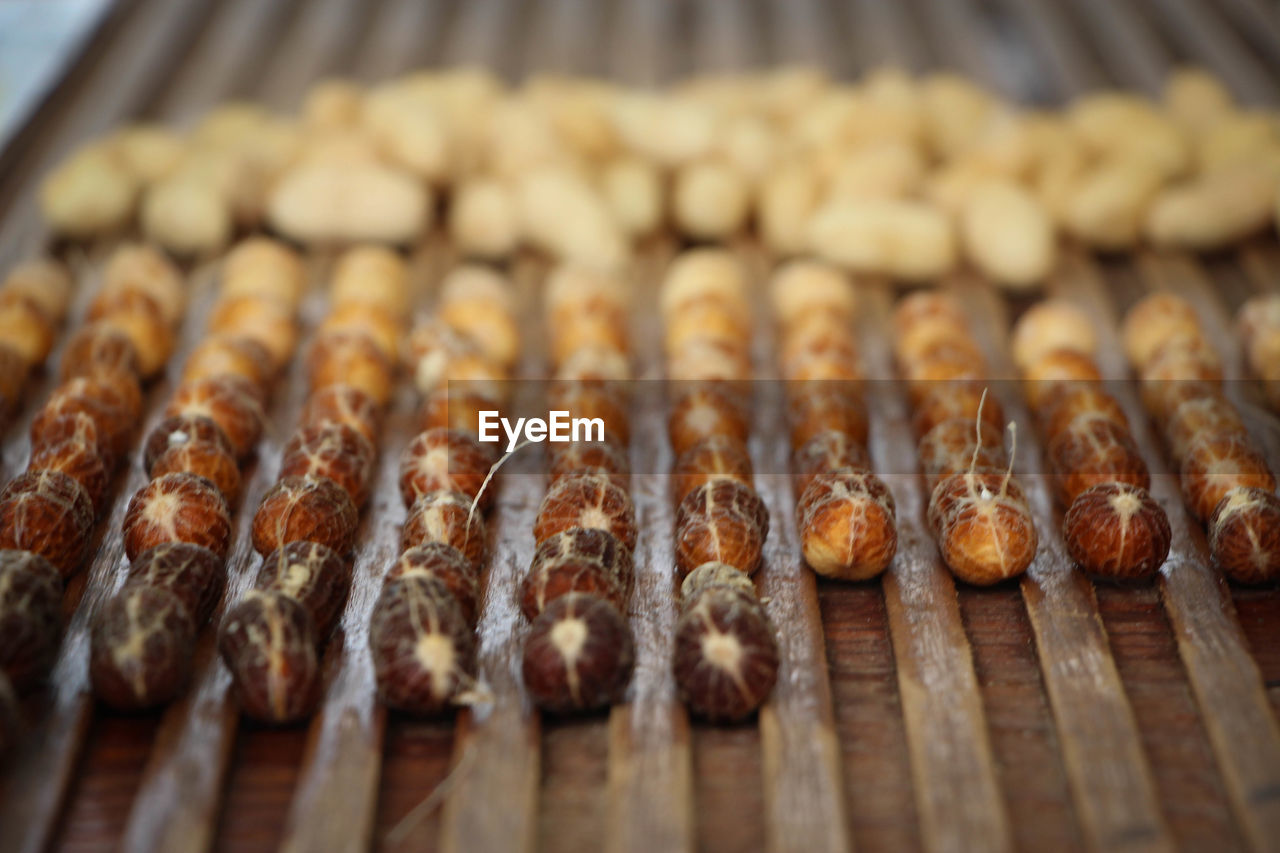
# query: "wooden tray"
[[910, 712]]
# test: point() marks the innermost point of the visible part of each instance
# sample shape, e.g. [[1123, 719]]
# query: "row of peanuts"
[[977, 510], [305, 526], [34, 298], [889, 175], [1225, 479], [422, 630], [726, 655], [579, 650], [846, 515], [1112, 525], [177, 528], [47, 515], [1259, 324]]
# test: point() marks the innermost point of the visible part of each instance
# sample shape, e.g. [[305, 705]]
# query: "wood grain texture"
[[1225, 679], [1110, 780], [803, 788], [650, 797], [957, 790]]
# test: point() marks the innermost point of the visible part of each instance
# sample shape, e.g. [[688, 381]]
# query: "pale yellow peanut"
[[149, 151], [908, 240], [562, 214], [1125, 126], [483, 218], [333, 103], [1215, 210], [667, 130], [955, 112], [1195, 98], [91, 193], [632, 188], [407, 131], [878, 170], [354, 203], [187, 217], [1107, 206], [1007, 234], [1235, 138], [710, 200], [788, 198]]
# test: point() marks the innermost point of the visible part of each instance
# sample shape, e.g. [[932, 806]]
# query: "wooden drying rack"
[[910, 713]]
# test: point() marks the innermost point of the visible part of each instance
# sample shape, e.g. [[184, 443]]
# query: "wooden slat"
[[480, 34], [1111, 782], [806, 32], [321, 40], [1222, 674], [651, 800], [885, 36], [638, 41], [232, 52], [957, 789], [1062, 61], [565, 37], [491, 802], [722, 36], [804, 794], [1136, 59], [396, 39]]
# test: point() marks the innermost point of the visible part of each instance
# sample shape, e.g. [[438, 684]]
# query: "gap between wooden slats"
[[491, 802], [650, 765], [952, 765], [804, 793], [1111, 782], [1224, 677]]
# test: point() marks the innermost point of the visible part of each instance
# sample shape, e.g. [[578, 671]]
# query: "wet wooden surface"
[[915, 708]]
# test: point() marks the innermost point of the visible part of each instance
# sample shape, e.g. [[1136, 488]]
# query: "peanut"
[[332, 203], [711, 200], [1007, 234], [1107, 205], [905, 239], [1215, 210], [89, 194], [483, 219]]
